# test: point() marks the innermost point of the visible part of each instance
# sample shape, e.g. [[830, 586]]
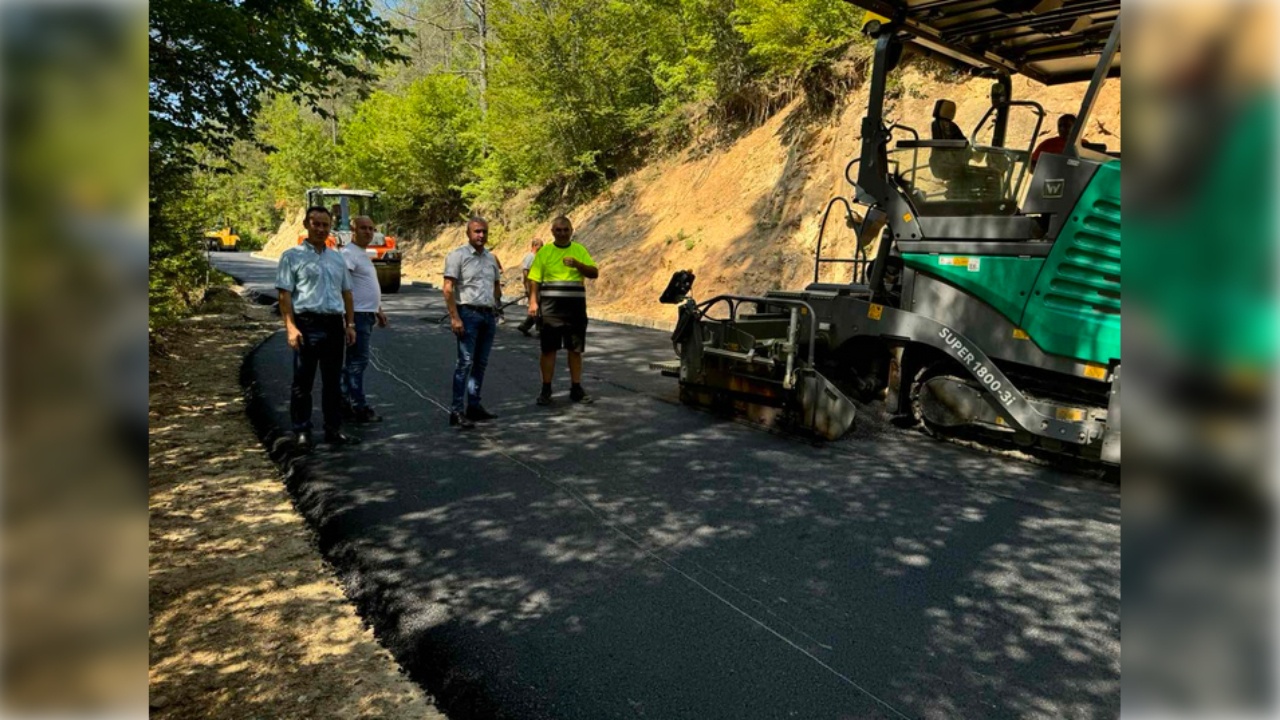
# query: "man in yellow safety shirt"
[[557, 293]]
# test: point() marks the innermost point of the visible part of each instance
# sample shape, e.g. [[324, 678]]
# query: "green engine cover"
[[1069, 302], [1002, 282], [1074, 309]]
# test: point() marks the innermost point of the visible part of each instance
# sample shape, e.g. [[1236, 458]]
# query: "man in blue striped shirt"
[[319, 321]]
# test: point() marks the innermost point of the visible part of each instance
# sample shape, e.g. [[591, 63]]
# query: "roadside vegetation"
[[448, 106]]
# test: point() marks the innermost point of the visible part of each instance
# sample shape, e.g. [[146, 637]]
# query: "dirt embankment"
[[286, 236], [245, 618]]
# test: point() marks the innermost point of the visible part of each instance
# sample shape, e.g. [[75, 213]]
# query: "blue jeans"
[[479, 328], [357, 361]]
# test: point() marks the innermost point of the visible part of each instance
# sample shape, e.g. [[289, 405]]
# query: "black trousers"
[[323, 342]]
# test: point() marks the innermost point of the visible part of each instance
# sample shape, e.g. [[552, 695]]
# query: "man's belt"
[[478, 308]]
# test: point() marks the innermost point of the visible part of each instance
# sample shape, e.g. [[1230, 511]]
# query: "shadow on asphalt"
[[635, 558]]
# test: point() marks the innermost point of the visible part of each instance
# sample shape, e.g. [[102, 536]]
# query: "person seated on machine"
[[1055, 145], [340, 223], [951, 165]]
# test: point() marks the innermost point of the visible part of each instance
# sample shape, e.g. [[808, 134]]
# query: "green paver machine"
[[984, 297]]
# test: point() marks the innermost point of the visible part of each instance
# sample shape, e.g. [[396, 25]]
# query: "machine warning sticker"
[[1020, 334], [1069, 414], [1097, 372], [967, 357], [874, 311], [973, 264]]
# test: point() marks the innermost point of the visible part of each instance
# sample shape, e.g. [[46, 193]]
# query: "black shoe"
[[544, 400], [349, 411], [367, 415], [302, 441], [459, 420], [337, 438], [578, 395], [479, 414]]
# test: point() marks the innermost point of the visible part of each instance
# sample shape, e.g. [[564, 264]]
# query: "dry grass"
[[246, 620]]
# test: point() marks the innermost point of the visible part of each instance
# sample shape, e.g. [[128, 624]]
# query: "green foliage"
[[716, 56], [421, 148], [444, 38], [788, 36], [237, 191], [178, 267], [558, 95], [250, 240], [303, 153], [573, 86], [212, 61], [684, 238]]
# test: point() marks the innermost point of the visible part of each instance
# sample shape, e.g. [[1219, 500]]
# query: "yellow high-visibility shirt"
[[548, 265]]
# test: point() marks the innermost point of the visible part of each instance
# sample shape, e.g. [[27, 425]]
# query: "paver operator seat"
[[951, 165]]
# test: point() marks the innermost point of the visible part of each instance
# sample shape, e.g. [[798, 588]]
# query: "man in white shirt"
[[367, 298], [529, 320]]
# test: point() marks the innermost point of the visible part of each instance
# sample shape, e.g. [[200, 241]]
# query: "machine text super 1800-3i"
[[984, 374]]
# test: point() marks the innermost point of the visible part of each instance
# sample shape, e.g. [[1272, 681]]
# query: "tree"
[[448, 36], [573, 85], [237, 191], [421, 148], [789, 35], [302, 152], [212, 61]]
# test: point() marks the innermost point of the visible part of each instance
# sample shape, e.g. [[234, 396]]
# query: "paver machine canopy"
[[983, 294]]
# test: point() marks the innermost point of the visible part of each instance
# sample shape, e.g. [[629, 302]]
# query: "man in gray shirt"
[[529, 320], [315, 303], [473, 295]]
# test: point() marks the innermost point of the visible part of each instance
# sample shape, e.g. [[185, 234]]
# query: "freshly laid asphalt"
[[637, 558]]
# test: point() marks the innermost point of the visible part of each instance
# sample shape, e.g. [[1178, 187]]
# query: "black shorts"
[[561, 332]]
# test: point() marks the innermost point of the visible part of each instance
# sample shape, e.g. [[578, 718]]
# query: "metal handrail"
[[1014, 188], [915, 156], [915, 160], [822, 228], [733, 301]]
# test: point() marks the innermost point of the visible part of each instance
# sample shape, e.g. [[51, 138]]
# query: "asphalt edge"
[[452, 693], [455, 692]]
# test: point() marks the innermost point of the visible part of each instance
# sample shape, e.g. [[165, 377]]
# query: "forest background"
[[705, 134], [452, 106]]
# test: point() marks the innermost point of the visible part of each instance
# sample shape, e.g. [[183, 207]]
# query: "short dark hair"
[[562, 218], [317, 208]]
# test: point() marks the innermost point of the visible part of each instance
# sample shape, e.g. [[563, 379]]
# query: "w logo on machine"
[[1053, 188]]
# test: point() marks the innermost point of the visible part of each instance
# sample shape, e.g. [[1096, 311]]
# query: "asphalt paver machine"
[[983, 297]]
